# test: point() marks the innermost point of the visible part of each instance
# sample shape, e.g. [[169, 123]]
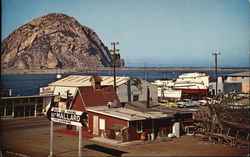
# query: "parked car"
[[203, 102], [168, 103], [186, 103]]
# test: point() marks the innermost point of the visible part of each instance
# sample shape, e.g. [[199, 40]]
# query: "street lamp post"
[[114, 59], [216, 78]]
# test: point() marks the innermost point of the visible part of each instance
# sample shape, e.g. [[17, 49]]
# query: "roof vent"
[[112, 104]]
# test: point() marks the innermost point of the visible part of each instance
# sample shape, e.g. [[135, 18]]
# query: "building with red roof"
[[107, 117], [91, 96]]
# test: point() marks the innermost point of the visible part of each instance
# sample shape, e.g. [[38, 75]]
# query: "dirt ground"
[[35, 142]]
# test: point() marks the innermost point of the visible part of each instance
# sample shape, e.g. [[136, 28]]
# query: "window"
[[39, 109], [135, 97], [29, 110], [2, 110], [17, 101], [8, 102], [139, 128], [32, 100], [39, 100], [9, 109], [102, 124]]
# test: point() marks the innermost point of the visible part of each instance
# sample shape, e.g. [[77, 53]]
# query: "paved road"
[[24, 123], [30, 138], [19, 135]]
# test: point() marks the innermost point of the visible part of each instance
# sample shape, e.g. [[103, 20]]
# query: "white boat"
[[164, 90], [169, 93], [194, 85]]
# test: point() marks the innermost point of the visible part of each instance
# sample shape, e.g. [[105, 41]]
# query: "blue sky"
[[171, 33]]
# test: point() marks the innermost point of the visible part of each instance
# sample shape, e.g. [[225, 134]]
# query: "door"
[[95, 125]]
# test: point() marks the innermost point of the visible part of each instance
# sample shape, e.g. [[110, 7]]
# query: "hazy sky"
[[171, 33]]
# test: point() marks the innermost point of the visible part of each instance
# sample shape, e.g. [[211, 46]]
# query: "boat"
[[193, 85], [237, 118], [166, 92], [224, 121], [190, 85]]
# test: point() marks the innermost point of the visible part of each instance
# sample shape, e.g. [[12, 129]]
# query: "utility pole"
[[146, 71], [216, 79], [114, 59]]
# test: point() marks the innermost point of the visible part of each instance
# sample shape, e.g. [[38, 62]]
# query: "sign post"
[[80, 142], [68, 117], [51, 139]]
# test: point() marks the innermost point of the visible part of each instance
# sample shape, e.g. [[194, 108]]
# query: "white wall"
[[122, 91], [238, 79], [153, 91]]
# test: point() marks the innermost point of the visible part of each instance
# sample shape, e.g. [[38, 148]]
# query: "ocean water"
[[29, 84]]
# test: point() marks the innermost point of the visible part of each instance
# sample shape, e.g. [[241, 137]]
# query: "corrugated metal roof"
[[141, 107], [82, 80], [127, 114]]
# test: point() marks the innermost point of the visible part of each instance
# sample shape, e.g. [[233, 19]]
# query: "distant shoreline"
[[70, 71]]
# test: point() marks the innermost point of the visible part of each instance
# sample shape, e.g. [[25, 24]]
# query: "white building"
[[243, 78], [238, 82], [22, 106], [128, 89]]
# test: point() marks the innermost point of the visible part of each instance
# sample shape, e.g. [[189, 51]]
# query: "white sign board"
[[68, 117], [47, 90]]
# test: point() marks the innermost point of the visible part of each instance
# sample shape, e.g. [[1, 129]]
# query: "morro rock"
[[54, 41]]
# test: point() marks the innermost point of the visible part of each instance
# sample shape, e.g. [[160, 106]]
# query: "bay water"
[[29, 84]]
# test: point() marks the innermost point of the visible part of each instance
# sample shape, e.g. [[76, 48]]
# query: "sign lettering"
[[68, 117], [46, 90]]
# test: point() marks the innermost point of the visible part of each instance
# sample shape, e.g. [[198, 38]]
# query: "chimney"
[[96, 81]]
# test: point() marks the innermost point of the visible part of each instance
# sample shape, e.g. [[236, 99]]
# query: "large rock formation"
[[53, 41]]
